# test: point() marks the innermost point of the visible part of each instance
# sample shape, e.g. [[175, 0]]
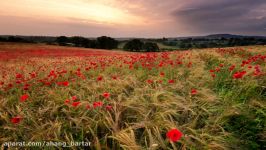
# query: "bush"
[[105, 42], [150, 47], [134, 45], [62, 40], [137, 45]]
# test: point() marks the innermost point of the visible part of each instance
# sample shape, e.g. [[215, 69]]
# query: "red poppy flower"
[[88, 106], [108, 107], [65, 83], [194, 92], [149, 81], [18, 82], [257, 68], [33, 74], [174, 135], [189, 64], [24, 97], [26, 88], [67, 101], [19, 75], [239, 75], [47, 83], [10, 85], [171, 81], [97, 104], [232, 67], [257, 71], [161, 64], [74, 98], [100, 78], [16, 120], [162, 74], [114, 77], [217, 69], [106, 95], [75, 104]]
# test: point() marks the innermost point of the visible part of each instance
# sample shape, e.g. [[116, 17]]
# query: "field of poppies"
[[195, 99]]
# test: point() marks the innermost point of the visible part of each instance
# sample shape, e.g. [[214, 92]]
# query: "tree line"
[[189, 43], [102, 42], [138, 45], [105, 42]]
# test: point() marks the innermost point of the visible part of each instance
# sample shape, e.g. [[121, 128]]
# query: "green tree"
[[62, 40], [105, 42], [134, 45], [80, 41], [150, 47]]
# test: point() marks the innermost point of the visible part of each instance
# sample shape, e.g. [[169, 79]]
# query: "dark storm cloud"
[[221, 16]]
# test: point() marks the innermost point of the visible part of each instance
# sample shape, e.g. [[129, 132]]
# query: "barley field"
[[196, 99]]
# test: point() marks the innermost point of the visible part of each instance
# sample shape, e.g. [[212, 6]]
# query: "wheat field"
[[120, 100]]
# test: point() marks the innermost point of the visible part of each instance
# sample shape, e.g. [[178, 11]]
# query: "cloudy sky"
[[132, 18]]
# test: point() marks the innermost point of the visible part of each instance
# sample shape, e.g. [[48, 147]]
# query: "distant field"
[[121, 45], [214, 98], [160, 45]]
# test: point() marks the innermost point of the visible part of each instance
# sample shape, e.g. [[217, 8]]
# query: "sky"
[[132, 18]]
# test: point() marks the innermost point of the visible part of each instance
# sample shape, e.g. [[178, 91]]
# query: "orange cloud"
[[86, 11]]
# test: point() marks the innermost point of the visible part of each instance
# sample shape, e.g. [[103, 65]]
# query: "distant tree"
[[3, 39], [203, 45], [164, 39], [223, 39], [261, 41], [150, 47], [105, 42], [92, 44], [62, 40], [187, 40], [170, 43], [213, 44], [80, 41], [16, 39], [185, 45], [182, 45], [188, 46], [134, 45]]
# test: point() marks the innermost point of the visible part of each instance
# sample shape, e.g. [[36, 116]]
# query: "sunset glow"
[[85, 12], [125, 18]]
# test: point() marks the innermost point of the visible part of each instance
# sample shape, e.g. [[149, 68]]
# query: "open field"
[[160, 45], [120, 100]]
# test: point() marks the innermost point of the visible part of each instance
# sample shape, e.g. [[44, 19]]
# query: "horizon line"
[[199, 35]]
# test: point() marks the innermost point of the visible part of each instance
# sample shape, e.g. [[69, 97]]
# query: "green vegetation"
[[103, 42], [164, 44], [189, 43], [137, 45]]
